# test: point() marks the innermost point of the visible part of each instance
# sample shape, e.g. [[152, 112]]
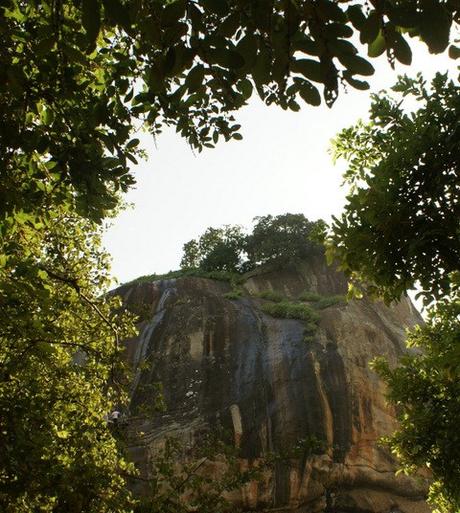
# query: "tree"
[[401, 222], [80, 76], [218, 249], [59, 371], [400, 228], [425, 388], [282, 239]]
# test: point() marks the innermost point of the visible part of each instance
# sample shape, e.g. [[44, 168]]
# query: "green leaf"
[[45, 45], [356, 16], [309, 93], [336, 30], [195, 78], [357, 84], [173, 12], [229, 59], [340, 46], [435, 22], [219, 7], [454, 52], [356, 65], [401, 49], [245, 87], [247, 47], [370, 28], [118, 13], [308, 68], [132, 144], [91, 20], [329, 10], [378, 46]]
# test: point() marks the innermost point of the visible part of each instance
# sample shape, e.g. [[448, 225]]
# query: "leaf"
[[339, 46], [226, 58], [401, 49], [370, 28], [173, 12], [308, 68], [356, 16], [357, 84], [91, 20], [336, 30], [247, 47], [309, 93], [219, 7], [45, 45], [195, 78], [245, 87], [329, 10], [378, 46], [118, 13], [356, 65], [454, 52], [132, 144], [435, 25], [261, 69]]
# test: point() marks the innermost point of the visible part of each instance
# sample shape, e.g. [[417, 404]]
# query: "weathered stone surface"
[[226, 363]]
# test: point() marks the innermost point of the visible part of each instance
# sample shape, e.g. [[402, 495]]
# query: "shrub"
[[310, 296], [328, 301], [271, 295], [310, 331], [288, 310], [233, 294]]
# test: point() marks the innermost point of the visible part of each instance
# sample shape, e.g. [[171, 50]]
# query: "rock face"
[[226, 363]]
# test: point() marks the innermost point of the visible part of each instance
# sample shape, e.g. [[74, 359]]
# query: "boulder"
[[225, 364]]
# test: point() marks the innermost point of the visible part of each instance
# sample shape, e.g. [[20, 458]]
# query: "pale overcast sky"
[[282, 165]]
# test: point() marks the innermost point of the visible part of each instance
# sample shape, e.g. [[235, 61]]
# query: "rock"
[[225, 363]]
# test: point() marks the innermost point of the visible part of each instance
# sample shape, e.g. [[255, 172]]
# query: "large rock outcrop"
[[224, 362]]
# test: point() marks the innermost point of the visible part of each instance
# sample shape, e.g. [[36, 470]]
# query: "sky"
[[283, 164]]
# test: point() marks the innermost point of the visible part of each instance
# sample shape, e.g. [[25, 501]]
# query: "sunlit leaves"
[[400, 225]]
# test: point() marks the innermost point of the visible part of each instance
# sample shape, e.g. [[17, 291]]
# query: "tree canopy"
[[279, 240], [400, 228], [79, 77], [401, 222], [59, 371]]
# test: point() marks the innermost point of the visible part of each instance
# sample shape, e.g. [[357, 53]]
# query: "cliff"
[[225, 362]]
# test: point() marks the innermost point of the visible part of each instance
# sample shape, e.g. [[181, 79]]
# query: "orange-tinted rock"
[[226, 363]]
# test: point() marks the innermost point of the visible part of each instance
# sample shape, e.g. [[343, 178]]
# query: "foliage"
[[426, 390], [327, 301], [78, 78], [179, 481], [400, 228], [310, 296], [218, 249], [58, 353], [281, 240], [310, 331], [234, 294], [231, 277], [271, 295], [289, 310], [401, 222]]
